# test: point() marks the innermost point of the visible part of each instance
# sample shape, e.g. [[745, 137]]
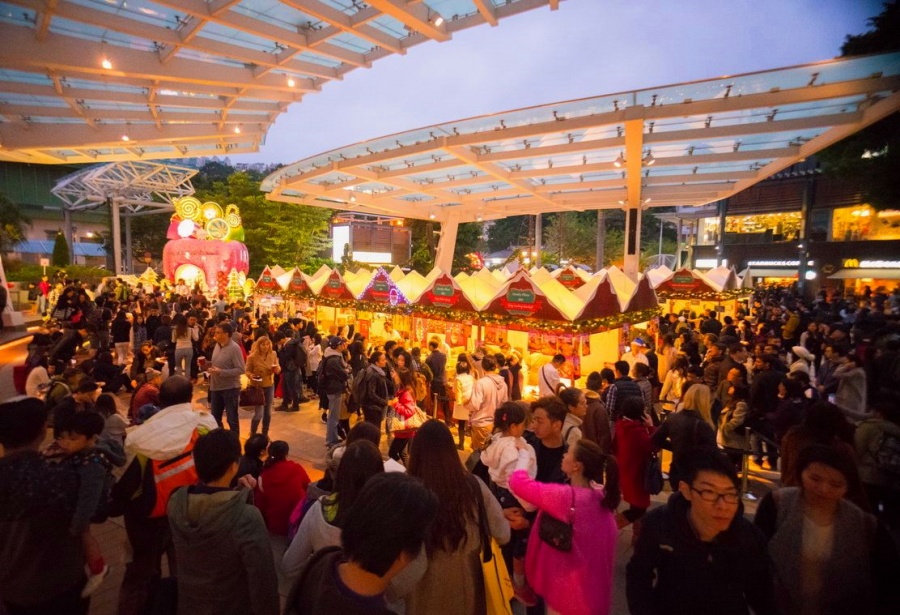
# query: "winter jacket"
[[851, 391], [321, 592], [488, 394], [335, 372], [377, 392], [501, 457], [684, 432], [731, 428], [259, 364], [225, 562], [673, 571], [281, 485], [632, 448], [595, 426], [868, 440]]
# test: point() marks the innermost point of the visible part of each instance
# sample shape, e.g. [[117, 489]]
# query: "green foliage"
[[148, 234], [468, 240], [506, 233], [876, 173], [884, 35], [60, 257], [12, 224], [16, 271], [276, 233]]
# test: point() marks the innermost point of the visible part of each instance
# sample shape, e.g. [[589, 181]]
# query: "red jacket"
[[632, 449], [280, 487]]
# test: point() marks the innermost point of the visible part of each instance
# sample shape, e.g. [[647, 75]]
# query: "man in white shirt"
[[636, 354], [548, 376]]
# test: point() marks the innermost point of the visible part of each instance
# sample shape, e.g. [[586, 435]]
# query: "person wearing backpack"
[[158, 461], [372, 390], [333, 379], [877, 443]]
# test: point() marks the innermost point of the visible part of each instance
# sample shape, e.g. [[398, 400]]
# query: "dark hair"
[[735, 348], [106, 405], [462, 367], [501, 360], [600, 468], [226, 328], [434, 460], [695, 370], [364, 430], [887, 403], [633, 408], [407, 379], [488, 363], [594, 382], [508, 414], [681, 364], [255, 445], [278, 451], [709, 460], [215, 453], [833, 457], [558, 358], [87, 424], [570, 396], [105, 357], [607, 374], [180, 325], [622, 367], [793, 388], [554, 407], [740, 392], [375, 356], [175, 390], [641, 370], [392, 516], [360, 462], [22, 421], [433, 344]]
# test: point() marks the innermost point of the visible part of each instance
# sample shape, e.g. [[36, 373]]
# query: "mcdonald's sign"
[[851, 263]]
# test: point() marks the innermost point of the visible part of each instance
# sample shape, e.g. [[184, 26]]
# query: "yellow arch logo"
[[851, 263]]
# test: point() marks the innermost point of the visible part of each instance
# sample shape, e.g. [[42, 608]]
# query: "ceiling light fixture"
[[649, 159], [125, 138], [105, 63], [437, 21], [237, 130], [619, 161], [291, 83]]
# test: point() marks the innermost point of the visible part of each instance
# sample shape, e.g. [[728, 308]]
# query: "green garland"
[[725, 295]]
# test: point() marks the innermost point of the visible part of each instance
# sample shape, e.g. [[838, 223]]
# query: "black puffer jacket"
[[722, 577]]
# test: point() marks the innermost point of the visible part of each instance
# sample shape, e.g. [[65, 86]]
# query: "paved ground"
[[306, 436]]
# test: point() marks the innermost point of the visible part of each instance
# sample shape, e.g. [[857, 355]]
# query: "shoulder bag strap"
[[546, 381], [483, 528]]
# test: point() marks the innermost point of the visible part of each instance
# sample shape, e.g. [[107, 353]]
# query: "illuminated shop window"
[[863, 222]]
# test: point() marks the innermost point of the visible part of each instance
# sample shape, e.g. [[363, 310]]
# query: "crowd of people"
[[807, 389]]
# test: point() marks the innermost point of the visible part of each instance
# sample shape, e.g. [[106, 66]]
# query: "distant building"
[[373, 240]]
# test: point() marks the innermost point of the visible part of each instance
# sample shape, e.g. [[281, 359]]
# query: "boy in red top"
[[282, 484]]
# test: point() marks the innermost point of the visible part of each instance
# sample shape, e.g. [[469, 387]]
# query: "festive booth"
[[380, 301], [335, 304], [691, 291], [443, 309], [205, 244], [571, 277]]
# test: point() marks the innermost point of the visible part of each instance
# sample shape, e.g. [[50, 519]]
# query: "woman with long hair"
[[673, 382], [686, 431], [322, 523], [453, 583], [577, 582], [830, 557], [183, 336], [261, 367], [138, 333]]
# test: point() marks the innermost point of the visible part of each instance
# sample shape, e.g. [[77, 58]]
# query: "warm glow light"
[[438, 21], [185, 228], [125, 138], [237, 130], [106, 64], [291, 83]]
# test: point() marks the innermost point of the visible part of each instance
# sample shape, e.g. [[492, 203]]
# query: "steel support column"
[[128, 259], [601, 239], [538, 238], [443, 259], [116, 235]]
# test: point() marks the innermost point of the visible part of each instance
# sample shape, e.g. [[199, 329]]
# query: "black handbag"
[[653, 480], [252, 396], [556, 533]]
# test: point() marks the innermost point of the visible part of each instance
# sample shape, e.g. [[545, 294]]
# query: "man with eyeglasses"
[[703, 555]]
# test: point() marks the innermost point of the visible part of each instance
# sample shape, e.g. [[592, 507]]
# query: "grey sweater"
[[230, 360]]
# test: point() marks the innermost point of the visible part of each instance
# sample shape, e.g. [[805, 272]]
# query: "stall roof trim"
[[158, 79], [679, 145]]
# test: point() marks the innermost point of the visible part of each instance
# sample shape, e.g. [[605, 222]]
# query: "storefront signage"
[[334, 288], [570, 279], [773, 263], [521, 301], [266, 280], [853, 263], [443, 295], [298, 284]]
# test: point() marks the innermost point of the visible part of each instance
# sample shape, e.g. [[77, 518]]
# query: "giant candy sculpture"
[[205, 244]]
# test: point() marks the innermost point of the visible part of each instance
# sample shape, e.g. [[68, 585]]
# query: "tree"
[[506, 233], [275, 233], [469, 238], [60, 256], [869, 158], [148, 234], [12, 225]]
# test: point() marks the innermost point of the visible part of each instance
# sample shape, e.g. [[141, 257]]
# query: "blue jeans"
[[289, 394], [226, 401], [334, 415], [183, 358], [263, 412]]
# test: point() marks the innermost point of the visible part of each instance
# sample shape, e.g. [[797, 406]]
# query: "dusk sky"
[[586, 48]]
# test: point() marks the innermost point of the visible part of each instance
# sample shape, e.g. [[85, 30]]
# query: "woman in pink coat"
[[578, 582]]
